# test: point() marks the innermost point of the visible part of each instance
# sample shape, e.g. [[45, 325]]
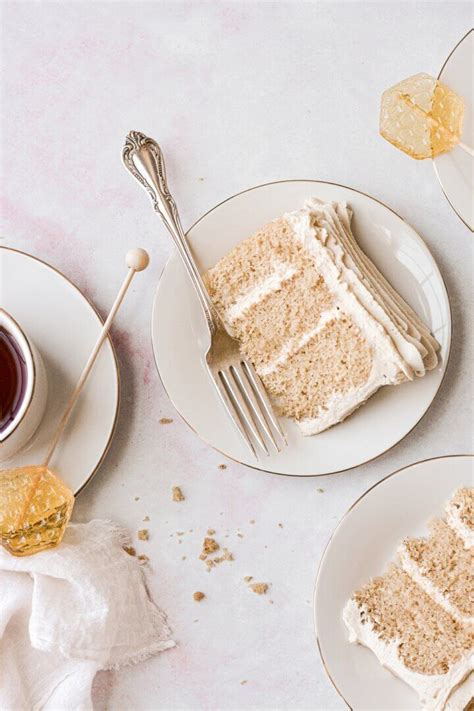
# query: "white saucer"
[[361, 547], [455, 170], [180, 338], [64, 327]]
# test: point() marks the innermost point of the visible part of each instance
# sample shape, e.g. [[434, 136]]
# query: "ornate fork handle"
[[142, 156]]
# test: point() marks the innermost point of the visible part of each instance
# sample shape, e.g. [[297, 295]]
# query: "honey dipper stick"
[[137, 260]]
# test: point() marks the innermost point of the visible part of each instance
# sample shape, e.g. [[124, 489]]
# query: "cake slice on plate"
[[321, 325], [418, 617]]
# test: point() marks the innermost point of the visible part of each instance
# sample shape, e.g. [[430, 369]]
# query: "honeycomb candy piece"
[[35, 507], [421, 116]]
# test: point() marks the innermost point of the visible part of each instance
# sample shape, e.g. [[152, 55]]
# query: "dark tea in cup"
[[13, 377]]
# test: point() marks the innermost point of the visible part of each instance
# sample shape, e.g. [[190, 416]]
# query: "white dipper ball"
[[137, 259]]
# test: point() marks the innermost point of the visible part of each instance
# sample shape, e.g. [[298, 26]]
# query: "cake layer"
[[335, 359], [281, 318], [267, 257], [444, 568], [430, 640]]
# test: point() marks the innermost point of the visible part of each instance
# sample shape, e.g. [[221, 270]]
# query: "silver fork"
[[239, 387]]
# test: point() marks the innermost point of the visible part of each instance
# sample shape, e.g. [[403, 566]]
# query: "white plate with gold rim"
[[455, 169], [361, 547], [180, 338], [64, 326]]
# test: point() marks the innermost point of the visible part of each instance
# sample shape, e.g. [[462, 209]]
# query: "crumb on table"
[[130, 550], [143, 534], [210, 545], [147, 518], [248, 578], [198, 596], [259, 588], [143, 558], [320, 491], [222, 466], [177, 494], [166, 421], [210, 531]]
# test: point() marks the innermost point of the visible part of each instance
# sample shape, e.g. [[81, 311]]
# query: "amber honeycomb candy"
[[421, 116], [35, 507]]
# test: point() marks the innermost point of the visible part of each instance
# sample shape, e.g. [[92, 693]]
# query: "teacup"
[[23, 387]]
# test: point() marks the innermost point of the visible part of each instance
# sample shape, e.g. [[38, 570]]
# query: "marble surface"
[[238, 93]]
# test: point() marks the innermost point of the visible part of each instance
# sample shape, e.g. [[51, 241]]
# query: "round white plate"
[[180, 338], [455, 170], [64, 327], [361, 547]]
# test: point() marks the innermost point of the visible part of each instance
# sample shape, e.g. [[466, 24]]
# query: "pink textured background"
[[238, 93]]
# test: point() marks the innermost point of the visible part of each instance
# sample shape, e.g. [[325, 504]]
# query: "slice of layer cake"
[[321, 325], [417, 617]]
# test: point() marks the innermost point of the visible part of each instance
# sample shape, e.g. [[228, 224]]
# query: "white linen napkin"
[[69, 612]]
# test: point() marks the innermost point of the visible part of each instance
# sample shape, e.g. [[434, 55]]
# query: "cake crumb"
[[320, 491], [222, 466], [180, 533], [280, 525], [183, 557], [240, 535], [143, 534], [137, 498], [259, 588], [147, 518], [143, 558], [252, 520], [130, 550], [198, 596], [244, 681], [210, 545], [203, 556], [248, 578], [166, 421], [210, 531], [177, 494]]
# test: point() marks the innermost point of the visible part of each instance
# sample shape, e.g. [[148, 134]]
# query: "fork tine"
[[232, 411], [240, 404], [247, 390], [260, 390]]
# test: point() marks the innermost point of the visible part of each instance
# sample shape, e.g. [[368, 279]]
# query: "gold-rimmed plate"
[[455, 170], [180, 337], [361, 547], [64, 326]]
